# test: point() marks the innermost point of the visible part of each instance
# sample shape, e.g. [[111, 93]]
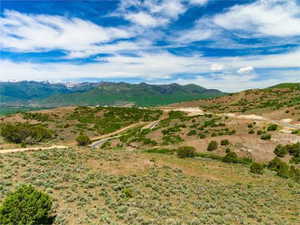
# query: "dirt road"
[[32, 149]]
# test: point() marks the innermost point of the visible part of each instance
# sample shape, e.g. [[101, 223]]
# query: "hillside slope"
[[280, 97], [139, 94]]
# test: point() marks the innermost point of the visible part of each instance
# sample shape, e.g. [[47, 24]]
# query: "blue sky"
[[230, 45]]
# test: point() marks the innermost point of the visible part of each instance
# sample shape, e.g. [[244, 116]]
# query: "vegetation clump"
[[42, 117], [213, 145], [186, 152], [280, 151], [291, 149], [265, 136], [25, 133], [26, 206], [83, 140], [225, 142], [256, 168], [272, 127], [230, 157]]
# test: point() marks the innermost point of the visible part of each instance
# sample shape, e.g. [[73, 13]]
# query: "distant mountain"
[[104, 93], [139, 94], [28, 90]]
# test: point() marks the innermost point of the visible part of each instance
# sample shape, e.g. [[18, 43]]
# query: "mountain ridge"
[[101, 93]]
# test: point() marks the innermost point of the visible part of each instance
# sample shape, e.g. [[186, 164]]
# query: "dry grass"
[[125, 187]]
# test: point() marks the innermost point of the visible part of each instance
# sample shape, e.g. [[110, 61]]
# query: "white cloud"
[[167, 8], [266, 17], [28, 33], [198, 2], [145, 19], [216, 67], [198, 33], [151, 13], [246, 69], [162, 65], [147, 66]]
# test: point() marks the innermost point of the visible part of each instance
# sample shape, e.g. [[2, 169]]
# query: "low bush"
[[213, 145], [192, 132], [25, 133], [225, 142], [186, 152], [83, 140], [26, 206], [231, 157], [280, 151], [251, 131], [280, 167], [160, 150], [272, 127], [265, 136], [256, 168]]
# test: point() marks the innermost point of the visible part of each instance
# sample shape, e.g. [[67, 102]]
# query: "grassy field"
[[132, 187]]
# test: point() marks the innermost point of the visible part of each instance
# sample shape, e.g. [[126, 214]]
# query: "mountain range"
[[33, 93]]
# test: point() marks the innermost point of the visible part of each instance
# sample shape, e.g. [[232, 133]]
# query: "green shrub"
[[35, 116], [192, 132], [280, 151], [256, 168], [83, 140], [272, 127], [259, 132], [230, 157], [171, 139], [186, 152], [274, 164], [25, 133], [283, 171], [26, 206], [160, 150], [176, 115], [292, 149], [295, 173], [265, 137], [280, 167], [202, 136], [128, 193], [251, 131], [213, 145], [225, 142]]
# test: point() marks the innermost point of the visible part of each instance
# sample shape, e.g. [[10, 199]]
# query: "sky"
[[230, 45]]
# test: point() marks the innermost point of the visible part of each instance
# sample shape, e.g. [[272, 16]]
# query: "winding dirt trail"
[[4, 151]]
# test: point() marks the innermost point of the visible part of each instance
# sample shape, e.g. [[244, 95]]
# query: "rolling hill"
[[285, 96]]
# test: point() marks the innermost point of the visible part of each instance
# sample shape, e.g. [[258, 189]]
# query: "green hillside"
[[27, 90], [287, 85], [139, 94], [104, 93]]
